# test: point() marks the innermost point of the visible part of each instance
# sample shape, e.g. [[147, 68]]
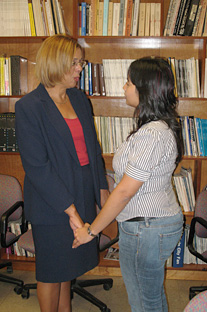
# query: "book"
[[204, 134], [3, 133], [95, 79], [191, 15], [181, 28], [147, 20], [173, 16], [115, 20], [195, 26], [152, 19], [198, 129], [90, 78], [188, 172], [178, 253], [101, 80], [204, 34], [128, 17], [50, 17], [168, 19], [157, 18], [193, 136], [141, 25], [201, 20], [112, 254], [105, 17], [39, 26], [55, 18], [179, 17], [121, 17], [11, 141], [100, 22], [110, 18], [31, 18], [135, 18], [19, 68], [83, 18]]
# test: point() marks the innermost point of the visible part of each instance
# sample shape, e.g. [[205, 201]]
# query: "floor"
[[115, 298]]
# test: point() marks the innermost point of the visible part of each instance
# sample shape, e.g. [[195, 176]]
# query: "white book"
[[147, 20], [125, 12], [115, 20], [135, 18], [198, 78], [157, 18], [168, 19], [173, 16], [50, 17], [141, 26], [39, 26], [152, 19]]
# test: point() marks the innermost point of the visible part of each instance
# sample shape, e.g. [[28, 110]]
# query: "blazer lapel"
[[58, 121]]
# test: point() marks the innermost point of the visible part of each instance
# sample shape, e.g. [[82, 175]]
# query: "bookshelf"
[[96, 49]]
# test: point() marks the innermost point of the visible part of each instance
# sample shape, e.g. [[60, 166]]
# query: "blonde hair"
[[54, 59]]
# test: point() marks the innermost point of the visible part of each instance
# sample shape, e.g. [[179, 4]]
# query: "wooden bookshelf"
[[96, 49]]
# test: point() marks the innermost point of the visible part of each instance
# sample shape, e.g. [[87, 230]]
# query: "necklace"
[[62, 102]]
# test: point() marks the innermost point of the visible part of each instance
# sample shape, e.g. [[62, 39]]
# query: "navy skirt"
[[56, 261]]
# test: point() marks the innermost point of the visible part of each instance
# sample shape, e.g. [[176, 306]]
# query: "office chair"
[[77, 286], [198, 227], [11, 209]]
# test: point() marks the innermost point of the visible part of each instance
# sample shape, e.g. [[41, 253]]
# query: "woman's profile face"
[[71, 79], [131, 94]]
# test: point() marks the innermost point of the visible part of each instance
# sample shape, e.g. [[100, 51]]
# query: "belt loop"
[[147, 222]]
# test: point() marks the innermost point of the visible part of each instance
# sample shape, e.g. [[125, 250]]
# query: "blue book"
[[199, 135], [105, 17], [178, 253], [90, 78], [204, 134], [83, 18], [82, 80]]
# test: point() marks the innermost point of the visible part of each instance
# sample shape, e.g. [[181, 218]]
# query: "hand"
[[104, 196], [75, 220], [81, 236]]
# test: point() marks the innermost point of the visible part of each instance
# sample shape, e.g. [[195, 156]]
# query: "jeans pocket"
[[168, 243]]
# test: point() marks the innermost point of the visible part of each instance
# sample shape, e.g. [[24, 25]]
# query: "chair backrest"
[[10, 193], [198, 303], [201, 211]]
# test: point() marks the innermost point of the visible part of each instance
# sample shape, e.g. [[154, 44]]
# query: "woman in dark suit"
[[64, 172]]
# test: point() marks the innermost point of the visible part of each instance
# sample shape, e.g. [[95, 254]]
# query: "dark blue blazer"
[[53, 176]]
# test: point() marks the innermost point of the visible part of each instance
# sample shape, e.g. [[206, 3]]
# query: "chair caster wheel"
[[9, 269], [107, 286], [18, 290], [25, 294]]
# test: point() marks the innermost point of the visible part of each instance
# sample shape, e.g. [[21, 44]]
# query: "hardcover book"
[[19, 67]]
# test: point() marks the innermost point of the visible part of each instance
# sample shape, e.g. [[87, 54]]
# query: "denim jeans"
[[143, 249]]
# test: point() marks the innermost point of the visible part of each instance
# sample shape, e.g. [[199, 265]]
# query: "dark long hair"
[[154, 81]]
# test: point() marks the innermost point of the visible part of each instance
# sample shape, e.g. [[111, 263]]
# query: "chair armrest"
[[5, 220], [191, 237]]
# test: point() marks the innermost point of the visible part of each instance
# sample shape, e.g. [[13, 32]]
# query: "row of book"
[[194, 133], [124, 18], [181, 255], [8, 142], [13, 75], [15, 228], [184, 190], [112, 131], [186, 76], [31, 18], [186, 18], [108, 79]]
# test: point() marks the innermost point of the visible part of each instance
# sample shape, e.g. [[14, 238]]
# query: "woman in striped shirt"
[[143, 202]]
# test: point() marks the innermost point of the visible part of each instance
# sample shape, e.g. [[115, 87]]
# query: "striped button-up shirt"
[[149, 156]]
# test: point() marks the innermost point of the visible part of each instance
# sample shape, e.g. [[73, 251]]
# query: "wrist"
[[90, 232], [71, 210]]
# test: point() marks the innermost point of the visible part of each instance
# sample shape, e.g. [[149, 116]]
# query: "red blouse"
[[79, 140]]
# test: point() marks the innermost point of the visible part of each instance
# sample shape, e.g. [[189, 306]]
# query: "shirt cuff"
[[137, 174]]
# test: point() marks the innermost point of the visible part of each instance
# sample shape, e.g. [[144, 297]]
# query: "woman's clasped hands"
[[81, 236]]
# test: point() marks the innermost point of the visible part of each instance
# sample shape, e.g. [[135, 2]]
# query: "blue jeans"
[[143, 249]]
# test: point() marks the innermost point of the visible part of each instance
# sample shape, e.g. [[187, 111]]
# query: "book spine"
[[95, 79], [101, 80], [178, 253], [105, 17], [83, 19], [128, 17], [181, 29], [90, 78], [191, 17], [121, 18]]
